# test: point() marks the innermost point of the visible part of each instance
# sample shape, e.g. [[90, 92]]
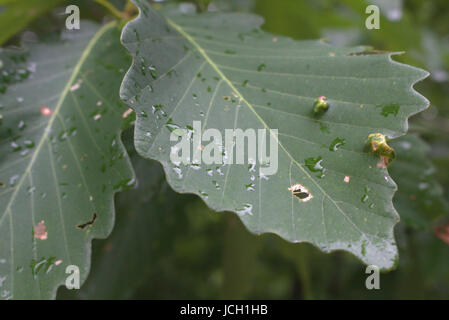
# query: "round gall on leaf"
[[377, 144], [320, 105]]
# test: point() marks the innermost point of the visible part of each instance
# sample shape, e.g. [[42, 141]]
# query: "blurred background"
[[171, 246]]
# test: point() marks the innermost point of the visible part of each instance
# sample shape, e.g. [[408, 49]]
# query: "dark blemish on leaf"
[[88, 223], [230, 51], [261, 67], [363, 249]]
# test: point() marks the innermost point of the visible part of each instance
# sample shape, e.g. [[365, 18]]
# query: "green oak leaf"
[[223, 70], [419, 198], [61, 157]]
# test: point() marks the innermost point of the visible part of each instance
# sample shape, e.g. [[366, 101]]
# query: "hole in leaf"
[[301, 192]]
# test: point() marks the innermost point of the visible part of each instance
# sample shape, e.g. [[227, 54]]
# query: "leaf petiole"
[[110, 7]]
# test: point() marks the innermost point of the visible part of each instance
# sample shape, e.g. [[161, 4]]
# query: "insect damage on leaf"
[[377, 144], [320, 105], [301, 192], [289, 95], [88, 223]]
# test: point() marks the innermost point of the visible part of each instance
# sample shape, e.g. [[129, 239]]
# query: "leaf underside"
[[61, 157], [223, 70]]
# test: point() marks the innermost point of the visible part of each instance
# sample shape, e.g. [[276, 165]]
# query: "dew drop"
[[203, 194], [315, 165], [250, 187], [336, 144], [247, 209], [215, 183]]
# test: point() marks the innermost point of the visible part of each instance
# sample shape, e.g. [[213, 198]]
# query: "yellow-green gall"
[[377, 144], [320, 105]]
